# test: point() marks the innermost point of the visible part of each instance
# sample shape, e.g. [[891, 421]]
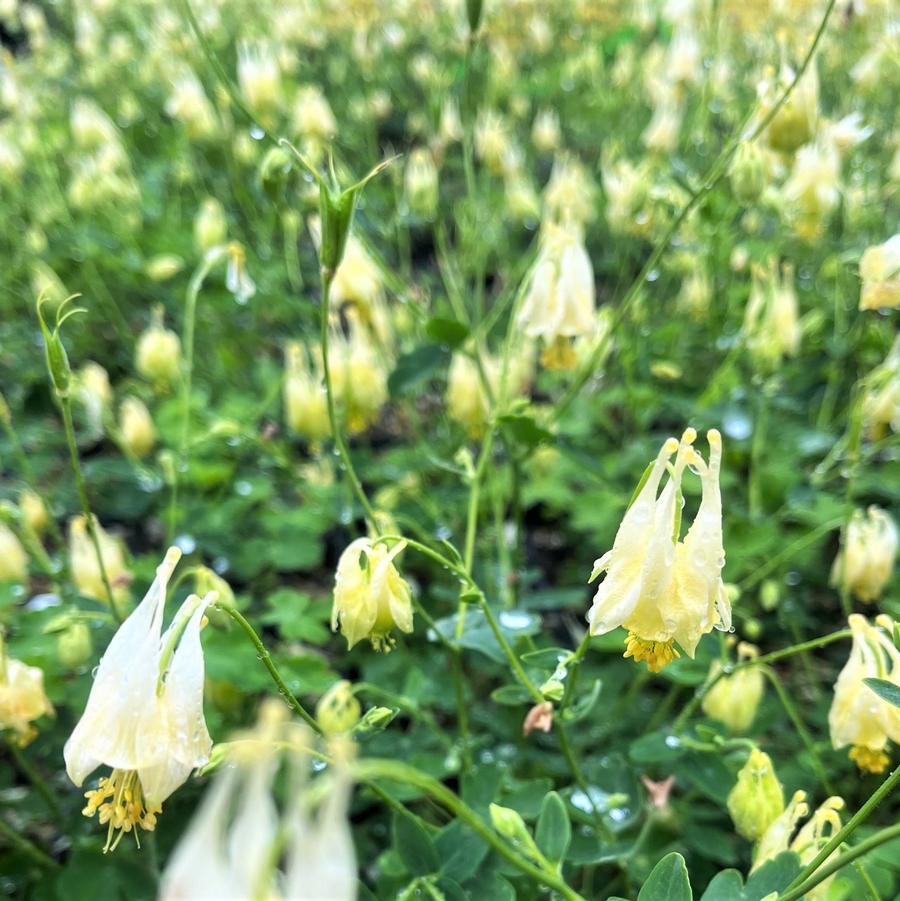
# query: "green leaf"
[[773, 876], [725, 886], [885, 690], [415, 847], [510, 695], [446, 331], [524, 430], [477, 634], [668, 882], [416, 367], [553, 831]]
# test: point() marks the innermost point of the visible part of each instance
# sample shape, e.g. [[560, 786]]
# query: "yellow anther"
[[119, 801], [869, 760], [656, 654]]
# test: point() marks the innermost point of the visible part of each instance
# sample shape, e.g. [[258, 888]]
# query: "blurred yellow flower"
[[85, 568], [866, 559], [158, 352], [136, 427], [22, 698], [757, 798], [879, 269], [305, 402], [13, 559], [733, 700]]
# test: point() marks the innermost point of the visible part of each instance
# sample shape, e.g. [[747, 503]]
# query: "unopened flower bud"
[[13, 559], [338, 710], [733, 700], [757, 798], [74, 645], [376, 719], [136, 427], [769, 594], [210, 227], [34, 513], [158, 354], [748, 172], [421, 183], [274, 171], [163, 266]]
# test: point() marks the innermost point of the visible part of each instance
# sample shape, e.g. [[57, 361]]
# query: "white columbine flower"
[[144, 716], [661, 589], [866, 559]]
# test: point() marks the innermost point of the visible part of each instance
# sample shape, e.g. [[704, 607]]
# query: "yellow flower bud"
[[305, 401], [158, 354], [13, 559], [757, 798], [86, 569], [421, 183], [136, 427], [733, 700], [163, 267], [74, 645], [210, 227], [748, 172], [370, 596], [33, 511], [795, 122], [338, 710]]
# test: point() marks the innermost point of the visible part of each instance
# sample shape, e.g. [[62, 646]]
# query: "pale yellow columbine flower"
[[34, 512], [661, 589], [795, 122], [757, 798], [371, 598], [86, 569], [420, 183], [313, 117], [811, 838], [570, 193], [22, 697], [545, 134], [879, 269], [237, 279], [358, 376], [771, 319], [881, 401], [305, 401], [13, 559], [559, 305], [865, 561], [94, 393], [733, 700], [144, 716], [210, 225], [234, 843], [467, 401], [258, 76], [814, 188], [859, 717]]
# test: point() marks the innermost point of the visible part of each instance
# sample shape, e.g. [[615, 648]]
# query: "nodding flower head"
[[666, 590]]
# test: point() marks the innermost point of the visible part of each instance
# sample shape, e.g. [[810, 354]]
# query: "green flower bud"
[[74, 645], [338, 710], [511, 826], [769, 594], [375, 719], [274, 171], [748, 172], [757, 798], [55, 352]]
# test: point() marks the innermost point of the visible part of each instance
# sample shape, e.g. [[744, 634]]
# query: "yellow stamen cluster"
[[559, 355], [869, 760], [657, 654], [120, 802]]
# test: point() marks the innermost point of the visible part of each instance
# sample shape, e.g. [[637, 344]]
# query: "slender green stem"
[[263, 653], [27, 847], [66, 404], [190, 317], [841, 836], [798, 889], [375, 771], [874, 894], [514, 662], [701, 693], [800, 726], [336, 433], [715, 172]]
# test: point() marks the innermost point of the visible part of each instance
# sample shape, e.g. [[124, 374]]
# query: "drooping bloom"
[[771, 321], [358, 376], [34, 512], [795, 122], [757, 798], [866, 559], [86, 568], [22, 698], [662, 589], [93, 391], [881, 401], [258, 76], [305, 402], [371, 598], [144, 716], [210, 225], [814, 188], [733, 700], [13, 559], [879, 269], [229, 851], [859, 717], [559, 305], [809, 840]]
